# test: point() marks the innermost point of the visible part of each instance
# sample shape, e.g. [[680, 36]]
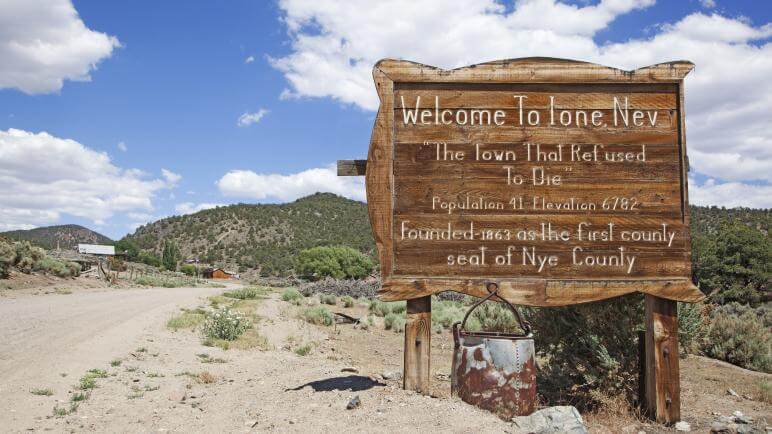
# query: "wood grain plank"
[[662, 364], [418, 344]]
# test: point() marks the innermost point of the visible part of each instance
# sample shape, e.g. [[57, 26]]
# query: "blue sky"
[[162, 86]]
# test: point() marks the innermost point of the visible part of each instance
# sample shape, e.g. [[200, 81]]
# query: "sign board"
[[563, 182], [96, 249]]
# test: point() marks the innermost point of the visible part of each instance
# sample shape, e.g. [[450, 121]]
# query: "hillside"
[[262, 236], [706, 219], [67, 236]]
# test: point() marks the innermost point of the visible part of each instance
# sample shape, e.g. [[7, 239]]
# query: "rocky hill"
[[265, 237], [65, 236]]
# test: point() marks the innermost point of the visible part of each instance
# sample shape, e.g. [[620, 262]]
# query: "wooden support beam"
[[418, 344], [352, 167], [663, 389]]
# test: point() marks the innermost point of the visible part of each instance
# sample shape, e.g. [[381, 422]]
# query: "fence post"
[[663, 388], [418, 344]]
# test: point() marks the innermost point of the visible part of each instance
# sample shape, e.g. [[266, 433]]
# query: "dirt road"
[[49, 341], [168, 381]]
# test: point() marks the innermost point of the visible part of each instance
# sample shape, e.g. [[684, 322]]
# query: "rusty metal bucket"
[[495, 371]]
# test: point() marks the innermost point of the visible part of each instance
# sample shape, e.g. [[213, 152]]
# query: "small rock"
[[391, 375], [560, 419], [683, 426], [733, 393], [739, 417], [747, 429], [718, 427], [353, 403], [350, 369]]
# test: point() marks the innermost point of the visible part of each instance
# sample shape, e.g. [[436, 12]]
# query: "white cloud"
[[708, 4], [44, 42], [729, 95], [171, 177], [122, 147], [248, 184], [251, 118], [43, 177], [730, 194], [190, 207], [249, 59]]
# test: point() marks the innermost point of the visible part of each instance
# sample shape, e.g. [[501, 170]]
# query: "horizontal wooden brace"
[[352, 167]]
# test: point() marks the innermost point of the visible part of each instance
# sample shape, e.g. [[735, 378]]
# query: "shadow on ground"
[[353, 383]]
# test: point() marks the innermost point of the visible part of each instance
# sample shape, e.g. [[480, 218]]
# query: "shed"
[[217, 273], [96, 249]]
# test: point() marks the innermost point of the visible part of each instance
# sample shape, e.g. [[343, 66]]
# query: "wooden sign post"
[[563, 182]]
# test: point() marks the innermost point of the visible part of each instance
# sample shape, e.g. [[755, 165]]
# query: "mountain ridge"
[[64, 236], [261, 236]]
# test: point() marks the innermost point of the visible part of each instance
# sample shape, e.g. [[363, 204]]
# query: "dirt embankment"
[[161, 380]]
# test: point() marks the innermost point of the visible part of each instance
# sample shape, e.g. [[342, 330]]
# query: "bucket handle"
[[493, 289]]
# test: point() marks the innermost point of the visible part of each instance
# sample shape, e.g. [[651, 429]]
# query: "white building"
[[96, 249]]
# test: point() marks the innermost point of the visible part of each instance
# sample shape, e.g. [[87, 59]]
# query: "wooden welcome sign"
[[562, 182]]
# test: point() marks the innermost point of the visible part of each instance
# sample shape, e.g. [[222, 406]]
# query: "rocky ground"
[[152, 379]]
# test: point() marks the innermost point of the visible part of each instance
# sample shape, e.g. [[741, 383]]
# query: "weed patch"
[[292, 295], [303, 350], [383, 308], [206, 377], [188, 319], [206, 358], [348, 301], [328, 299], [42, 391], [318, 315], [79, 397], [251, 293]]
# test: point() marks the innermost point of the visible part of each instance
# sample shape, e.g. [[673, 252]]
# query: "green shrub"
[[250, 293], [493, 316], [348, 301], [328, 299], [445, 313], [733, 262], [388, 320], [189, 269], [303, 350], [693, 321], [383, 308], [765, 392], [291, 295], [170, 256], [318, 315], [740, 335], [588, 352], [27, 255], [398, 326], [59, 268], [187, 319], [339, 262], [148, 258], [7, 258], [225, 324], [41, 391], [163, 281]]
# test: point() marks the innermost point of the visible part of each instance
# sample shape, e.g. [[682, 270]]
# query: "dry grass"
[[42, 391], [206, 377], [188, 319]]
